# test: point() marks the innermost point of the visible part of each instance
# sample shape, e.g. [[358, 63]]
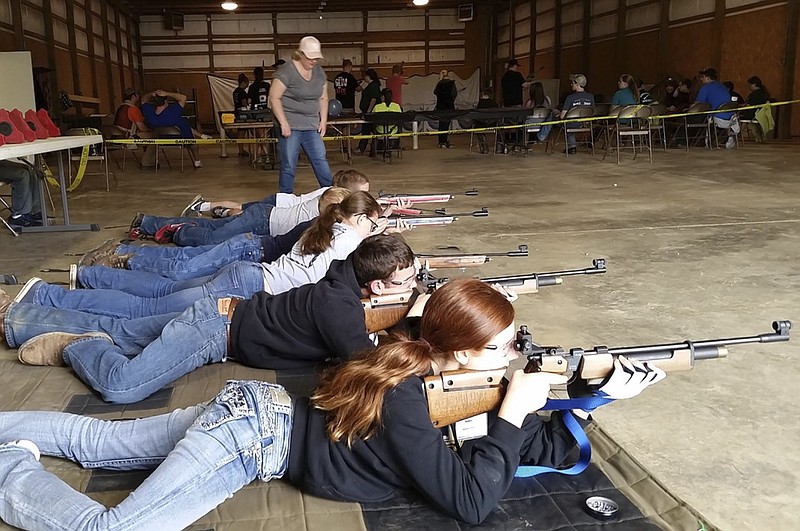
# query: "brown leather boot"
[[118, 261], [98, 253], [48, 349], [5, 302]]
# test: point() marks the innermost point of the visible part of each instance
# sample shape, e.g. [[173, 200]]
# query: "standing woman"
[[299, 102], [446, 93], [367, 412]]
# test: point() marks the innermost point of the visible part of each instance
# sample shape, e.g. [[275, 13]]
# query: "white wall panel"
[[634, 2], [545, 40], [545, 22], [522, 46], [503, 34], [571, 13], [80, 17], [245, 47], [255, 24], [175, 48], [522, 11], [391, 57], [679, 9], [503, 18], [99, 50], [112, 33], [544, 5], [522, 29], [5, 11], [573, 33], [60, 32], [455, 42], [741, 3], [181, 62], [453, 55], [81, 40], [33, 20], [395, 21], [442, 19], [243, 62], [503, 50], [605, 25], [97, 25], [58, 7], [603, 6], [375, 45], [335, 55], [643, 16]]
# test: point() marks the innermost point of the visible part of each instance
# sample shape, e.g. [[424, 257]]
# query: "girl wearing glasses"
[[363, 436]]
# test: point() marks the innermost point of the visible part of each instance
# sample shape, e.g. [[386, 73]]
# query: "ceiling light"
[[419, 3], [229, 6]]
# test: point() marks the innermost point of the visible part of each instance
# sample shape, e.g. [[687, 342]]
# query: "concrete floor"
[[699, 245]]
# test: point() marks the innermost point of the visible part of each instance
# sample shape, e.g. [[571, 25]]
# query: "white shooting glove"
[[630, 378]]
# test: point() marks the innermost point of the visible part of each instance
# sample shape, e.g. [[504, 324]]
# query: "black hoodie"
[[303, 326], [408, 453]]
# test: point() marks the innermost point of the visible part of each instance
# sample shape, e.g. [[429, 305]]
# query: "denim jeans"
[[134, 294], [147, 354], [253, 219], [24, 198], [202, 455], [314, 148], [182, 263]]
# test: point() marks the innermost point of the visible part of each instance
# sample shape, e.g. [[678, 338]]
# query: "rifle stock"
[[385, 311], [452, 396], [438, 261]]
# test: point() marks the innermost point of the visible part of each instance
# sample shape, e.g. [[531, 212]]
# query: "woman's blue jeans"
[[202, 455], [132, 294], [183, 263], [147, 353], [314, 148]]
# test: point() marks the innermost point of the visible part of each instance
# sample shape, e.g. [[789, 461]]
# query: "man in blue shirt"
[[715, 94]]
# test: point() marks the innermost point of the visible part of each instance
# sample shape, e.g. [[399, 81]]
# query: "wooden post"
[[587, 16], [19, 34], [557, 42], [73, 50], [107, 51], [92, 52], [210, 45], [719, 22]]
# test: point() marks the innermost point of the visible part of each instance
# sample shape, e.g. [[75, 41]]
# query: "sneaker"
[[193, 208], [205, 136], [73, 276], [47, 349], [26, 293], [442, 146], [118, 261], [198, 164], [449, 145], [220, 212], [244, 153], [166, 233], [25, 445], [94, 256], [135, 232], [24, 220], [570, 151], [731, 143]]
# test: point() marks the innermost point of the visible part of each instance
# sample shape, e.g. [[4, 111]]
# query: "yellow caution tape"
[[84, 162], [213, 141]]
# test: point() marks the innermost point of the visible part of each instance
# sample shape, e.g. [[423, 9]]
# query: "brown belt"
[[226, 306]]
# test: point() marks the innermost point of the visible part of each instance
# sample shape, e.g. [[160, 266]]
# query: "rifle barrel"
[[781, 333]]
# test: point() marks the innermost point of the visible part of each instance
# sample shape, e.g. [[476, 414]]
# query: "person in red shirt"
[[395, 83], [129, 120]]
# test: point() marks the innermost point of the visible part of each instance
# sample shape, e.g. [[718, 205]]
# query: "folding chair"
[[171, 133], [533, 128], [95, 154], [632, 122], [699, 125], [657, 126], [386, 125], [571, 128], [733, 123], [6, 206]]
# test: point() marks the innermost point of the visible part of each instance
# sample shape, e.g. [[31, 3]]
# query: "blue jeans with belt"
[[147, 353], [253, 219], [134, 294], [202, 455], [183, 263]]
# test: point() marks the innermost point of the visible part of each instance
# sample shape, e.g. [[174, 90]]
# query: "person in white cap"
[[299, 102]]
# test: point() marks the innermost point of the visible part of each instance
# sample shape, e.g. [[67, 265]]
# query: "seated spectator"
[[735, 96], [538, 100], [671, 94], [25, 208], [387, 105], [628, 92], [715, 94], [158, 113], [129, 121], [758, 96], [645, 98], [486, 101], [578, 98]]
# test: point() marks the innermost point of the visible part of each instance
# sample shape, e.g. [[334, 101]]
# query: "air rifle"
[[439, 261], [457, 395], [385, 311], [419, 221], [393, 199], [521, 284]]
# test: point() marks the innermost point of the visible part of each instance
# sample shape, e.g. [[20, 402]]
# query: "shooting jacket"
[[408, 453], [303, 326]]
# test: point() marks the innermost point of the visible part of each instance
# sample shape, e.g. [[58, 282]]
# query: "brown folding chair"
[[633, 122], [577, 127]]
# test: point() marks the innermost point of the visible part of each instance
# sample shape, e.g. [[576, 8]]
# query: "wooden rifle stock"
[[385, 311], [458, 395], [438, 261]]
